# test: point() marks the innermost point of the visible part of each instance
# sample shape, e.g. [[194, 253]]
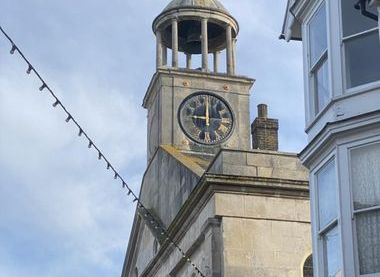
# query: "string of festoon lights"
[[91, 144]]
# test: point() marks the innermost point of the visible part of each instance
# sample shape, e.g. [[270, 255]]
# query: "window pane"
[[318, 35], [365, 170], [308, 267], [353, 21], [368, 232], [363, 59], [327, 202], [321, 86], [331, 241]]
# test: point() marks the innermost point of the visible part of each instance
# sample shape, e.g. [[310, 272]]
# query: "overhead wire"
[[91, 144]]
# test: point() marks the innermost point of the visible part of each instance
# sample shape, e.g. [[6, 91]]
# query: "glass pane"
[[353, 21], [322, 87], [327, 202], [331, 241], [318, 34], [368, 232], [363, 59], [365, 170]]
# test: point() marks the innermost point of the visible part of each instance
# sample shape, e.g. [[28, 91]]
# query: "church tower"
[[233, 210]]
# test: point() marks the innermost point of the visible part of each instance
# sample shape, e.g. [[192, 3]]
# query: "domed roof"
[[205, 4]]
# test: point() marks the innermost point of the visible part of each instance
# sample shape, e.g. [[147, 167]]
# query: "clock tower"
[[197, 108], [232, 210]]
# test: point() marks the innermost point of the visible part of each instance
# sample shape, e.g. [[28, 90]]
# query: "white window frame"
[[348, 204], [311, 101], [319, 257], [343, 39]]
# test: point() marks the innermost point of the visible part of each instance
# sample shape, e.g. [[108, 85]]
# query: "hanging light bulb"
[[69, 117], [30, 68], [43, 87], [108, 166], [90, 144], [14, 48], [100, 156], [56, 103], [129, 192], [80, 132], [116, 175]]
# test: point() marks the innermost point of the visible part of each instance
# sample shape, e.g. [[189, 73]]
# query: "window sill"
[[362, 88], [348, 93]]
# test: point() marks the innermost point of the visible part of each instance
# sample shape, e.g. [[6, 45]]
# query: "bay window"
[[328, 232], [361, 45], [365, 179], [318, 59]]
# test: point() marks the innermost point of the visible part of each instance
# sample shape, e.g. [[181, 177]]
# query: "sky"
[[61, 212]]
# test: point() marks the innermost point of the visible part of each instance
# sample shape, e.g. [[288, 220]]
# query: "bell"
[[193, 37], [193, 42]]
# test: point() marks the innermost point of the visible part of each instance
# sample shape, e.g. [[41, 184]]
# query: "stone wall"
[[264, 236]]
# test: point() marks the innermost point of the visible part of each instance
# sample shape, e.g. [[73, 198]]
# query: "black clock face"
[[206, 118]]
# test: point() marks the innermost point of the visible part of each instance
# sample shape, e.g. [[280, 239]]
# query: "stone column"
[[175, 43], [216, 61], [234, 42], [204, 45], [229, 50], [188, 61], [158, 49], [164, 55]]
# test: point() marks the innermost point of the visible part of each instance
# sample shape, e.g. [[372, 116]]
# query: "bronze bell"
[[193, 44]]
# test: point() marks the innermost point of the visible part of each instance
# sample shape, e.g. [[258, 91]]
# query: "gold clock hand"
[[198, 117]]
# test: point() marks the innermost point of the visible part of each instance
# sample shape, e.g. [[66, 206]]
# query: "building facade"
[[234, 210], [342, 100]]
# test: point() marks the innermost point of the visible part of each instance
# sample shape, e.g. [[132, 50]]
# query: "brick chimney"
[[264, 130]]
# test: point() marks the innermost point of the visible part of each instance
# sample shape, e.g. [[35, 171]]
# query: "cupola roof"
[[203, 4]]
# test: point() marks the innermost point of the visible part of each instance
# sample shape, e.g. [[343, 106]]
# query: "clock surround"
[[206, 118]]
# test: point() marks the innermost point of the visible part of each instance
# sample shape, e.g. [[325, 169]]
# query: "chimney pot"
[[264, 130], [262, 111]]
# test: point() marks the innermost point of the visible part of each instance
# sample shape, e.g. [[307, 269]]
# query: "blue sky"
[[61, 213]]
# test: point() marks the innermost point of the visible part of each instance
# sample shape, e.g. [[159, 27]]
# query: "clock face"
[[206, 118]]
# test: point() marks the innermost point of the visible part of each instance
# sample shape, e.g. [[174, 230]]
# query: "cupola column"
[[230, 69], [188, 61], [204, 45], [234, 43], [159, 49], [216, 61], [175, 43], [164, 55]]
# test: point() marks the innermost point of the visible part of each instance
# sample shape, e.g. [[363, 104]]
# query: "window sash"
[[309, 28], [358, 247], [315, 63], [327, 259], [332, 219]]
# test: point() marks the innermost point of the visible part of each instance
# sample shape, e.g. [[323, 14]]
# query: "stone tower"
[[235, 211]]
